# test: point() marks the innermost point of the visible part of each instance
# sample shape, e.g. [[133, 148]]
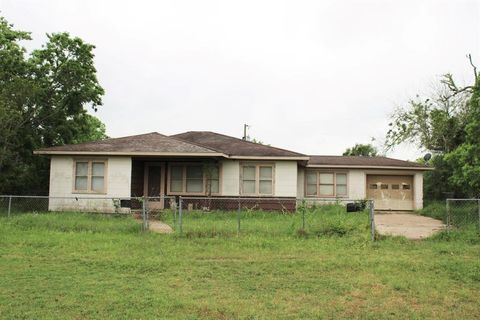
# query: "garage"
[[391, 192]]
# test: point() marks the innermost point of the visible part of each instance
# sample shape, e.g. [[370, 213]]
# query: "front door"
[[154, 179]]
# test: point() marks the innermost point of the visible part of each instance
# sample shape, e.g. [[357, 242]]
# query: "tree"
[[89, 129], [448, 125], [365, 150], [465, 160], [43, 100], [436, 123]]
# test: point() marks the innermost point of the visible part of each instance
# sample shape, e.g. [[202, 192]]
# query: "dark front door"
[[153, 184]]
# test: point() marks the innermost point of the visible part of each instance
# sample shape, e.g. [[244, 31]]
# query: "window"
[[266, 180], [325, 184], [373, 186], [193, 179], [89, 176], [405, 186], [383, 186], [213, 180], [341, 184], [176, 179], [395, 187], [257, 179], [312, 184]]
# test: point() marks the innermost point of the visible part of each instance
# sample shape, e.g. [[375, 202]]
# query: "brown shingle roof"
[[361, 161], [205, 143], [234, 146], [153, 142]]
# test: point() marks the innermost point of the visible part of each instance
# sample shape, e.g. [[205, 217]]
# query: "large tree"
[[359, 149], [44, 97], [447, 124], [465, 160]]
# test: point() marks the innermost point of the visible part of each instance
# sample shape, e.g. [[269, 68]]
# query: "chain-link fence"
[[463, 213], [215, 216], [139, 207], [224, 216]]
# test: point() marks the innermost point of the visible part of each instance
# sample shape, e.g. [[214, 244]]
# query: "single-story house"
[[201, 164]]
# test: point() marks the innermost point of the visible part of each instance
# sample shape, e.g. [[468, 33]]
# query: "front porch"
[[200, 181]]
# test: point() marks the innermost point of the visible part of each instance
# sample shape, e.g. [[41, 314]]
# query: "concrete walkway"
[[408, 225], [159, 227]]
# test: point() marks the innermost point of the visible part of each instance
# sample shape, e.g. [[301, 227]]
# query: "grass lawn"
[[94, 266]]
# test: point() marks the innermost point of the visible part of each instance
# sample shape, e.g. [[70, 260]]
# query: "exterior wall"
[[285, 178], [301, 183], [418, 191], [118, 182], [230, 178], [357, 182]]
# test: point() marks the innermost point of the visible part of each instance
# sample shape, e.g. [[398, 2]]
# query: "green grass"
[[463, 214], [88, 266], [327, 220], [435, 209]]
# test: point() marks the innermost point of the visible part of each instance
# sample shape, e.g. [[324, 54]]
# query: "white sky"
[[311, 76]]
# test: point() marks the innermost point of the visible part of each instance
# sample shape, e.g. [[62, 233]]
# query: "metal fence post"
[[478, 213], [146, 215], [9, 206], [304, 208], [144, 209], [175, 208], [180, 205], [238, 216], [448, 214], [372, 220]]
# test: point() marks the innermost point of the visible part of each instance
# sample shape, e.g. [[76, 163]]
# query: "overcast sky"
[[311, 76]]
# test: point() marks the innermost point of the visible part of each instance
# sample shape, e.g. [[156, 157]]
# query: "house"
[[201, 163]]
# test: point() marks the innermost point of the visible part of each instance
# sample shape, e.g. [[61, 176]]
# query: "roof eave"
[[369, 167], [127, 153], [179, 154], [293, 158]]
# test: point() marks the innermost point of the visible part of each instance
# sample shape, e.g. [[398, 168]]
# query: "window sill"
[[187, 194], [89, 192], [326, 197]]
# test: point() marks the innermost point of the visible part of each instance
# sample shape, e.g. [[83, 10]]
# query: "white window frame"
[[257, 179], [317, 173], [89, 189], [184, 192]]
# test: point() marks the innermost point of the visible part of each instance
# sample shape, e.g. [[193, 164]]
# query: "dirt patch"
[[408, 225]]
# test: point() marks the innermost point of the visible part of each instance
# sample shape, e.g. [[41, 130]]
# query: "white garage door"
[[390, 192]]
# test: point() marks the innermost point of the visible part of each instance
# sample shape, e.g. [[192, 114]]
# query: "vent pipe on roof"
[[245, 126]]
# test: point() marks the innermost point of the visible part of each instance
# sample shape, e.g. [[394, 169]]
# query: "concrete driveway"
[[408, 225]]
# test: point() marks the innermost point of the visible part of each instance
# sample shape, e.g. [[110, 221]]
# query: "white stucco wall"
[[418, 191], [285, 177], [357, 183], [300, 182], [230, 177], [118, 184], [356, 180]]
